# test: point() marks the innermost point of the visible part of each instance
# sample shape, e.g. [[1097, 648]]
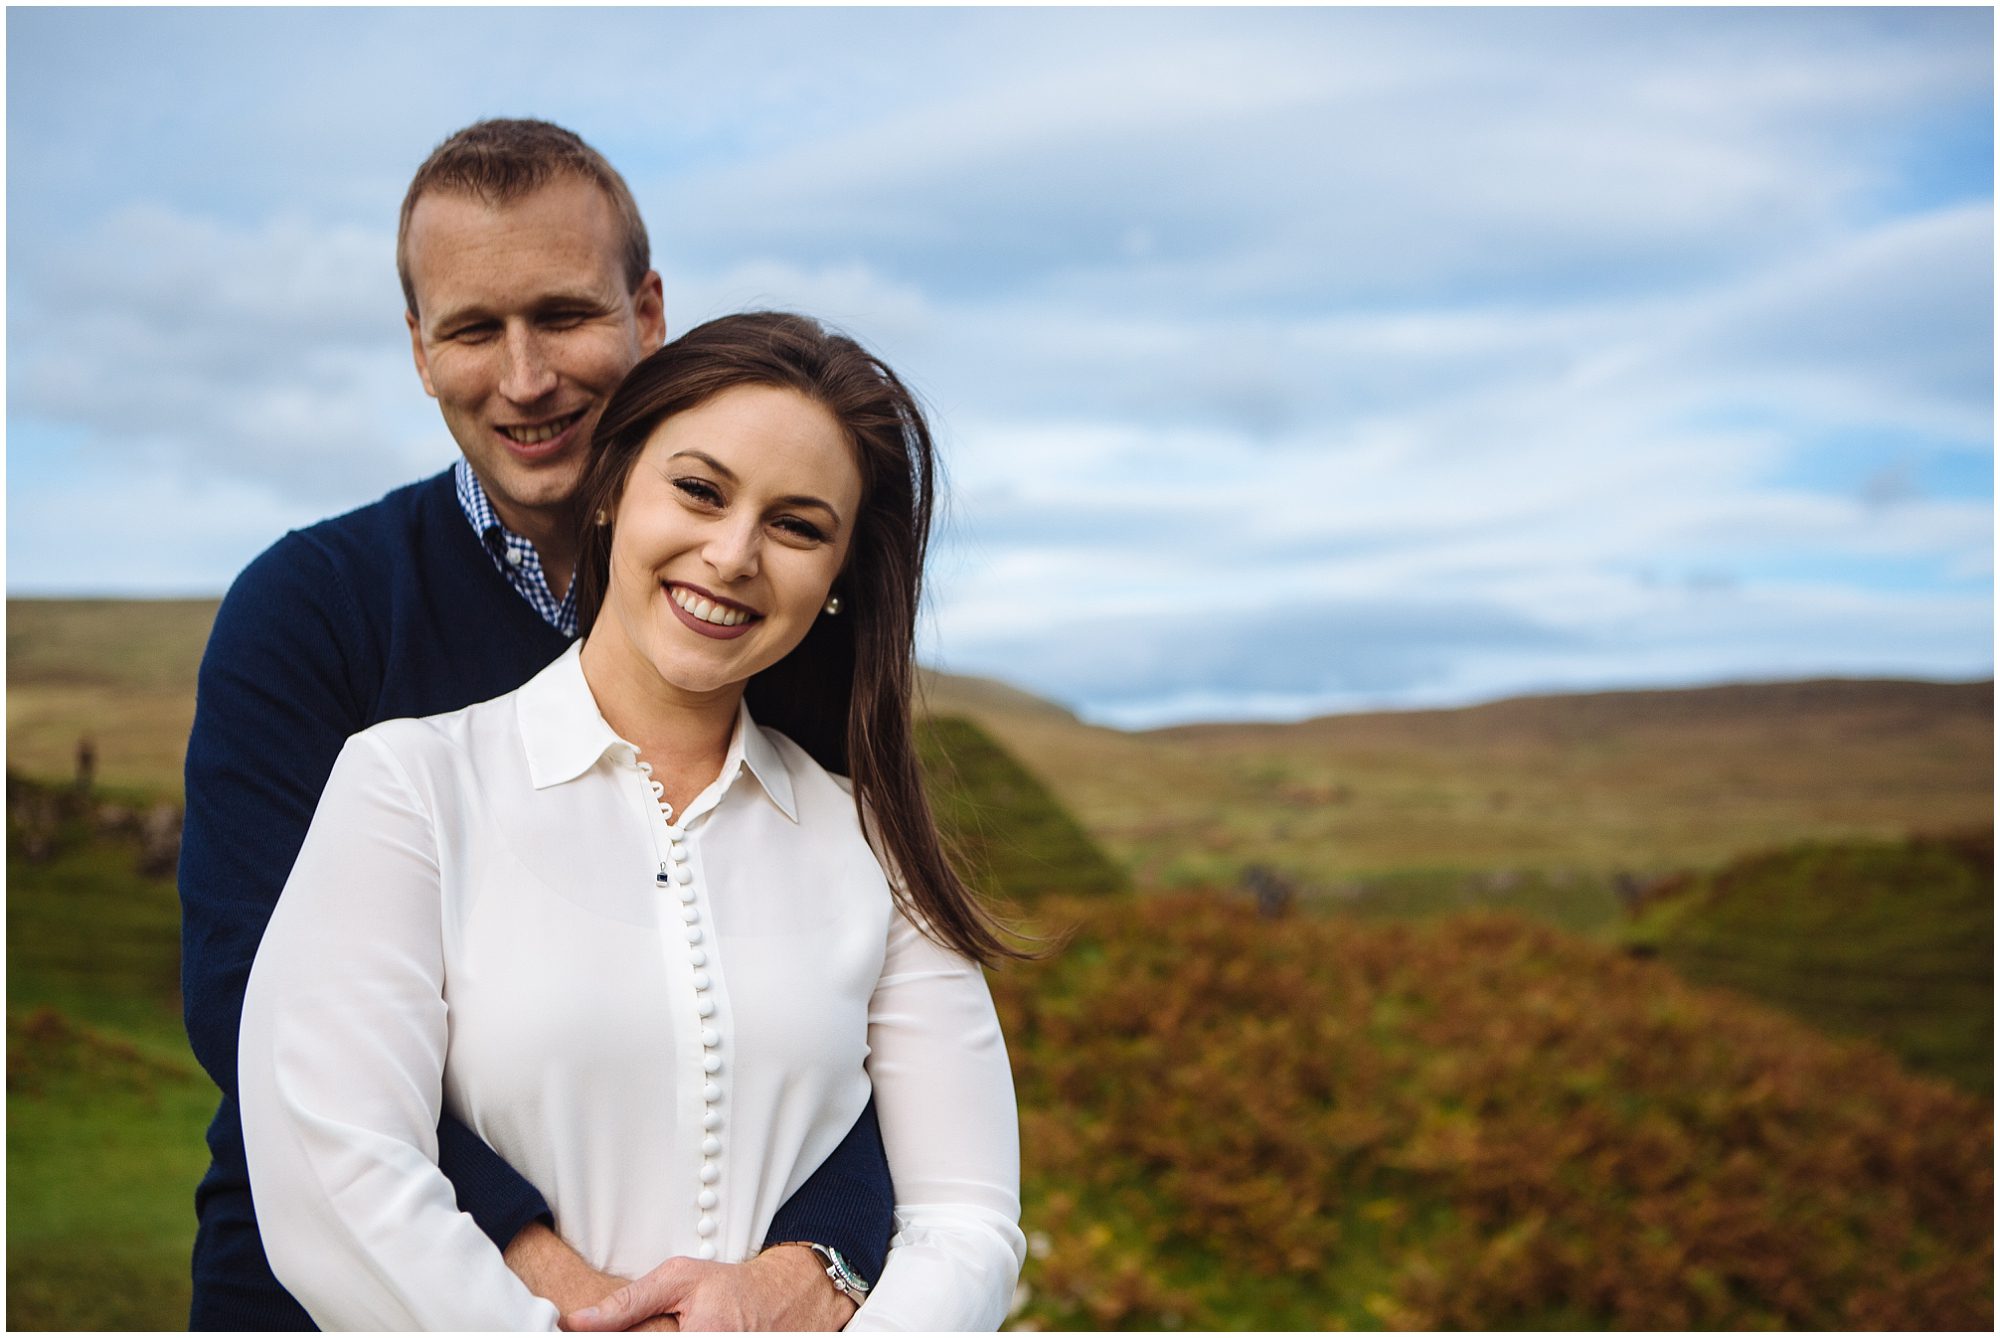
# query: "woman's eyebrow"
[[803, 499], [729, 476], [727, 473]]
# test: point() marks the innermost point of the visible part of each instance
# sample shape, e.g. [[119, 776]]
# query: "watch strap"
[[838, 1271]]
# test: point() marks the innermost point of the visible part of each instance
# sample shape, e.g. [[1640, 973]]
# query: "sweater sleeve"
[[848, 1203], [281, 687]]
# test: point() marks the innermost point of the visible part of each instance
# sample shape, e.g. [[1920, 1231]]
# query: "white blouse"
[[664, 1023]]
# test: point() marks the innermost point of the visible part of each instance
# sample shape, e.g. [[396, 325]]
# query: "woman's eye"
[[803, 529], [699, 490]]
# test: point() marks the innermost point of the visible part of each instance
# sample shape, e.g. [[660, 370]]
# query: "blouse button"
[[689, 914], [709, 1174], [683, 874], [687, 895], [705, 1227], [706, 1250], [675, 833], [699, 958], [711, 1119], [678, 854], [710, 1037], [710, 1146], [711, 1094], [700, 977], [706, 1200], [712, 1063], [706, 1007], [694, 934]]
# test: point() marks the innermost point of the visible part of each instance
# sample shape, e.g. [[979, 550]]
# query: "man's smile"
[[536, 434]]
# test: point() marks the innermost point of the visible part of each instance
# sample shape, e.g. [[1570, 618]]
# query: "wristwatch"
[[845, 1280]]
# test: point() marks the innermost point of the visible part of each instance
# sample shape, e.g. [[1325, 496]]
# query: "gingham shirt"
[[514, 556]]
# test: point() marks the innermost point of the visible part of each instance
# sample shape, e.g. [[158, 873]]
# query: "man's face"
[[523, 328]]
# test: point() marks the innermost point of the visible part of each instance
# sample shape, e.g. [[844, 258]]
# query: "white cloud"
[[271, 355]]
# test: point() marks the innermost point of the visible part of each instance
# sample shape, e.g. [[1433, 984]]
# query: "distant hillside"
[[1859, 706], [1568, 790], [121, 671], [1888, 940]]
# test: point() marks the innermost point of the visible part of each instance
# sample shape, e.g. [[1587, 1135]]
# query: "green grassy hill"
[[1474, 1122], [1017, 841], [1889, 940]]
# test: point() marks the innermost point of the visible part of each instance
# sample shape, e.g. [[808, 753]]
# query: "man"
[[527, 279]]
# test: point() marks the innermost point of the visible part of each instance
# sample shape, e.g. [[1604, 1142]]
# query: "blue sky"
[[1287, 361]]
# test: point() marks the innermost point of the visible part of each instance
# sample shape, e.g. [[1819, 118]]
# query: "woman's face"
[[733, 523]]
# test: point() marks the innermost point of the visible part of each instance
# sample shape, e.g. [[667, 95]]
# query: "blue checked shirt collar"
[[514, 557]]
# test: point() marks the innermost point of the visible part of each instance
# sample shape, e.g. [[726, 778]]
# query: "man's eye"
[[471, 334]]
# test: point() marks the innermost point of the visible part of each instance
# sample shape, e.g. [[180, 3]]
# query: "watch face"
[[844, 1279]]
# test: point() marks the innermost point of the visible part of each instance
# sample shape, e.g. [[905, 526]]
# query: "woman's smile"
[[709, 614]]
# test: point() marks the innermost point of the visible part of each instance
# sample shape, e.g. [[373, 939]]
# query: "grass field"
[[105, 1105]]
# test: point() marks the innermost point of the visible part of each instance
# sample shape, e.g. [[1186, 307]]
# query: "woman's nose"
[[733, 551]]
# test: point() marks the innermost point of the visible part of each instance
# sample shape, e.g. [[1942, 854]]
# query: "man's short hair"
[[502, 160]]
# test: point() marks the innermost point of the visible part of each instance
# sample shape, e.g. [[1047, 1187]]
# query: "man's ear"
[[649, 305], [417, 353]]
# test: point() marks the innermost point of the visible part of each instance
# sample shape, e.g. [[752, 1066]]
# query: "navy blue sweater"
[[392, 610]]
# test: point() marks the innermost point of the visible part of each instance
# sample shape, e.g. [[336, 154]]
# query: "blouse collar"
[[564, 734]]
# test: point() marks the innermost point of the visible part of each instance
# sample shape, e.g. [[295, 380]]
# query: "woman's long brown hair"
[[843, 694]]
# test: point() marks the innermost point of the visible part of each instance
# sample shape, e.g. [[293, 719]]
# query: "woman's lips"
[[690, 606]]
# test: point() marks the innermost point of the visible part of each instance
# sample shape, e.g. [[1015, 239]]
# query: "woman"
[[678, 832]]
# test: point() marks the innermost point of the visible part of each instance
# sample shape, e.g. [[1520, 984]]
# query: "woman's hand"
[[781, 1289]]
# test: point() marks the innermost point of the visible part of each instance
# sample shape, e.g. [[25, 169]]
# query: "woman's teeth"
[[706, 611], [535, 436]]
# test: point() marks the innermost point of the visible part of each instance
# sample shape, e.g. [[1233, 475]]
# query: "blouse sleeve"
[[945, 1097], [341, 1076]]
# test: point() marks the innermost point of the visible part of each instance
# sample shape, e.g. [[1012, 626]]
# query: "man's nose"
[[525, 375]]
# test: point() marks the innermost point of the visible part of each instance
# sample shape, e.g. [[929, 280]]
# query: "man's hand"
[[556, 1273], [782, 1288]]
